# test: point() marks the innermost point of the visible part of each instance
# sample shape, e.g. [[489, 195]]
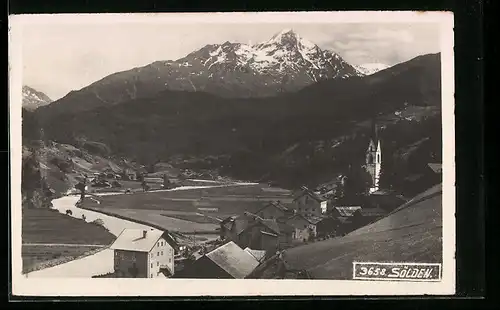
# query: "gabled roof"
[[257, 254], [307, 191], [347, 210], [436, 167], [275, 204], [314, 219], [233, 259], [134, 240]]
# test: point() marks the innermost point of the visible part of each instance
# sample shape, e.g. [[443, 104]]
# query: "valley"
[[184, 146]]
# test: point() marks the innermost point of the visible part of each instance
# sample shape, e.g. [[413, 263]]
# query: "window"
[[158, 244], [151, 275], [169, 260], [151, 265], [158, 254], [157, 264], [161, 253]]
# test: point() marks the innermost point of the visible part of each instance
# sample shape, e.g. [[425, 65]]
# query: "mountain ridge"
[[284, 63], [244, 136]]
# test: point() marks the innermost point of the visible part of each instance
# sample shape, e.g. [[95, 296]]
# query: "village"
[[252, 240]]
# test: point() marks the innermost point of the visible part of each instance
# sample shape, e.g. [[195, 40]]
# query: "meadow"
[[50, 238], [188, 211]]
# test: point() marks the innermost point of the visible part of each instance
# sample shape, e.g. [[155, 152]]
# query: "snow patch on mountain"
[[371, 68], [33, 99]]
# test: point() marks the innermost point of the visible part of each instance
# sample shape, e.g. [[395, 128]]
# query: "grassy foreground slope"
[[51, 238], [412, 233]]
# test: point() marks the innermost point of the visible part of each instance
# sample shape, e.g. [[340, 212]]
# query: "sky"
[[58, 58]]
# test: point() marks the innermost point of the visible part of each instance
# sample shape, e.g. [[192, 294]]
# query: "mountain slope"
[[398, 237], [286, 62], [247, 138], [33, 99]]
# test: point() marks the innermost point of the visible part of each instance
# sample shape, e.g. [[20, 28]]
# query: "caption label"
[[396, 271]]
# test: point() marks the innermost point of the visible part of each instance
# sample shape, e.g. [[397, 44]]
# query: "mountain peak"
[[33, 99]]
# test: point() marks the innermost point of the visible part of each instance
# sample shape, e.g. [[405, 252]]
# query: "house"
[[308, 203], [344, 225], [274, 211], [250, 230], [228, 261], [131, 174], [365, 216], [304, 229], [326, 226], [142, 253]]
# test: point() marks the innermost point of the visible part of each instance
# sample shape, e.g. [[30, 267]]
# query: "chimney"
[[144, 233]]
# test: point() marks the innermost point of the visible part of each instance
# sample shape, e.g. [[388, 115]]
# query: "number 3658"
[[372, 271]]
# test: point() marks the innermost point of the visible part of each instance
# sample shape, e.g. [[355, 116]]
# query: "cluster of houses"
[[309, 217]]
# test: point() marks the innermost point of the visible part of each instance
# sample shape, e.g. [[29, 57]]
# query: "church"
[[374, 159]]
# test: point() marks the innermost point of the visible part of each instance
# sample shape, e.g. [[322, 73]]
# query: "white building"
[[142, 253]]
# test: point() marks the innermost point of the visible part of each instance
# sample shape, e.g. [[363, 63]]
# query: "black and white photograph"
[[261, 153]]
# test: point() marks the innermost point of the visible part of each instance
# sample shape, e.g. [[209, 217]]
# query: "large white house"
[[142, 253]]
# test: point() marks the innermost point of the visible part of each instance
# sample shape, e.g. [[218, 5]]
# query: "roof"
[[436, 167], [306, 191], [268, 233], [347, 210], [272, 225], [234, 260], [257, 254], [380, 241], [314, 219], [373, 212], [132, 240], [276, 204]]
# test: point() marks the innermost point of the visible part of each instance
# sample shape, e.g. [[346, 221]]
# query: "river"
[[101, 262]]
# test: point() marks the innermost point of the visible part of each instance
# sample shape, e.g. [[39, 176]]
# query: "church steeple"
[[374, 156]]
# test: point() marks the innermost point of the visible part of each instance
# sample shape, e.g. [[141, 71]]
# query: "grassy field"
[[37, 257], [156, 219], [183, 211], [45, 226], [49, 226], [411, 234], [195, 218]]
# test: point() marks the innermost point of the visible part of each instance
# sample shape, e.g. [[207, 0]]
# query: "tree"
[[82, 187], [357, 182]]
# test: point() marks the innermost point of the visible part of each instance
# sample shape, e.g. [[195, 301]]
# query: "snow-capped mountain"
[[371, 68], [285, 62], [33, 99]]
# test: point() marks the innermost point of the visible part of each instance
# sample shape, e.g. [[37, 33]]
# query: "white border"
[[354, 264], [22, 286]]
